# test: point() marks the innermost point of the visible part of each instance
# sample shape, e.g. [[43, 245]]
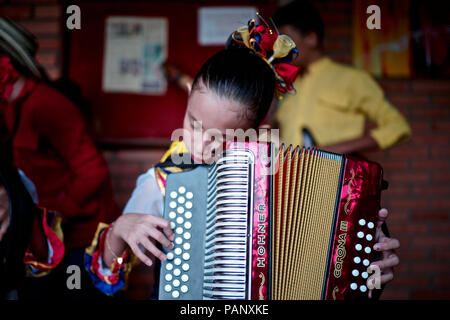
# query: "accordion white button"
[[178, 240], [188, 214], [173, 194], [189, 195], [364, 275], [186, 246], [353, 286], [179, 230], [172, 225], [355, 273], [186, 256], [173, 204], [177, 261], [172, 215], [169, 266], [366, 262], [175, 294], [177, 251], [187, 225], [358, 247], [184, 278], [188, 205], [181, 189], [180, 220], [369, 237], [360, 234], [363, 288], [180, 210], [170, 256], [176, 283], [370, 225], [357, 259], [181, 200], [167, 287], [362, 222], [168, 277], [187, 235], [367, 249], [185, 267], [184, 288], [176, 272]]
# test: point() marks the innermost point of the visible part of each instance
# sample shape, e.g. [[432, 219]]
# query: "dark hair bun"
[[239, 74]]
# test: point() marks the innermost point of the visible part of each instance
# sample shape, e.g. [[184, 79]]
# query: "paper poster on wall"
[[215, 24], [135, 49]]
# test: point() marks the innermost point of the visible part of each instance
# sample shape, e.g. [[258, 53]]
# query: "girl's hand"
[[136, 228], [387, 248]]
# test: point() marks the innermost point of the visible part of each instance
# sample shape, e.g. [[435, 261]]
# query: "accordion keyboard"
[[185, 205], [364, 241], [209, 209]]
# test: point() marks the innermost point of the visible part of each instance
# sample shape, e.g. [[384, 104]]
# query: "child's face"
[[215, 115]]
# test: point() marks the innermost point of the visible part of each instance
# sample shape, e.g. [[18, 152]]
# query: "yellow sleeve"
[[368, 98]]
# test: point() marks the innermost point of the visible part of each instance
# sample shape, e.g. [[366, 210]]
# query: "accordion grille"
[[302, 222], [229, 211]]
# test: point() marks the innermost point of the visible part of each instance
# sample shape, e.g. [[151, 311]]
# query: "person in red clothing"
[[50, 143]]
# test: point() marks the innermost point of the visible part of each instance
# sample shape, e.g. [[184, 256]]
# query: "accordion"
[[265, 223]]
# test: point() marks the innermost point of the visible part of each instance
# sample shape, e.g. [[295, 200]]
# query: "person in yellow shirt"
[[333, 101]]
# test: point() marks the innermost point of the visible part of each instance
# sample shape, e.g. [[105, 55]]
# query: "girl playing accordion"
[[233, 90]]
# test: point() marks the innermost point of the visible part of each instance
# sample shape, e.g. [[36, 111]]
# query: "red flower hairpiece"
[[276, 49]]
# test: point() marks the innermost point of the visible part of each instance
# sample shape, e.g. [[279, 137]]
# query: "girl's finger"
[[160, 237], [384, 278], [382, 216], [152, 248], [141, 256], [387, 277], [390, 262], [390, 244], [163, 224]]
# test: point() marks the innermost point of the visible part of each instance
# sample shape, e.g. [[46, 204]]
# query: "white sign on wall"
[[135, 49], [215, 24]]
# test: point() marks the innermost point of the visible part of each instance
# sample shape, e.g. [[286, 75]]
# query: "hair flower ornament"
[[276, 49]]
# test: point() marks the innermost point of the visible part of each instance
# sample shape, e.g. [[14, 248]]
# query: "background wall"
[[418, 171]]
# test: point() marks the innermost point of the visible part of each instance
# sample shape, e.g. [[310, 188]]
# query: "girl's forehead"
[[215, 111]]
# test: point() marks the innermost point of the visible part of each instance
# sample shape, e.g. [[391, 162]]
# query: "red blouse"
[[52, 146]]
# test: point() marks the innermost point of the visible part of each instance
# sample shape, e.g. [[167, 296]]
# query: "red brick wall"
[[418, 196], [418, 171]]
